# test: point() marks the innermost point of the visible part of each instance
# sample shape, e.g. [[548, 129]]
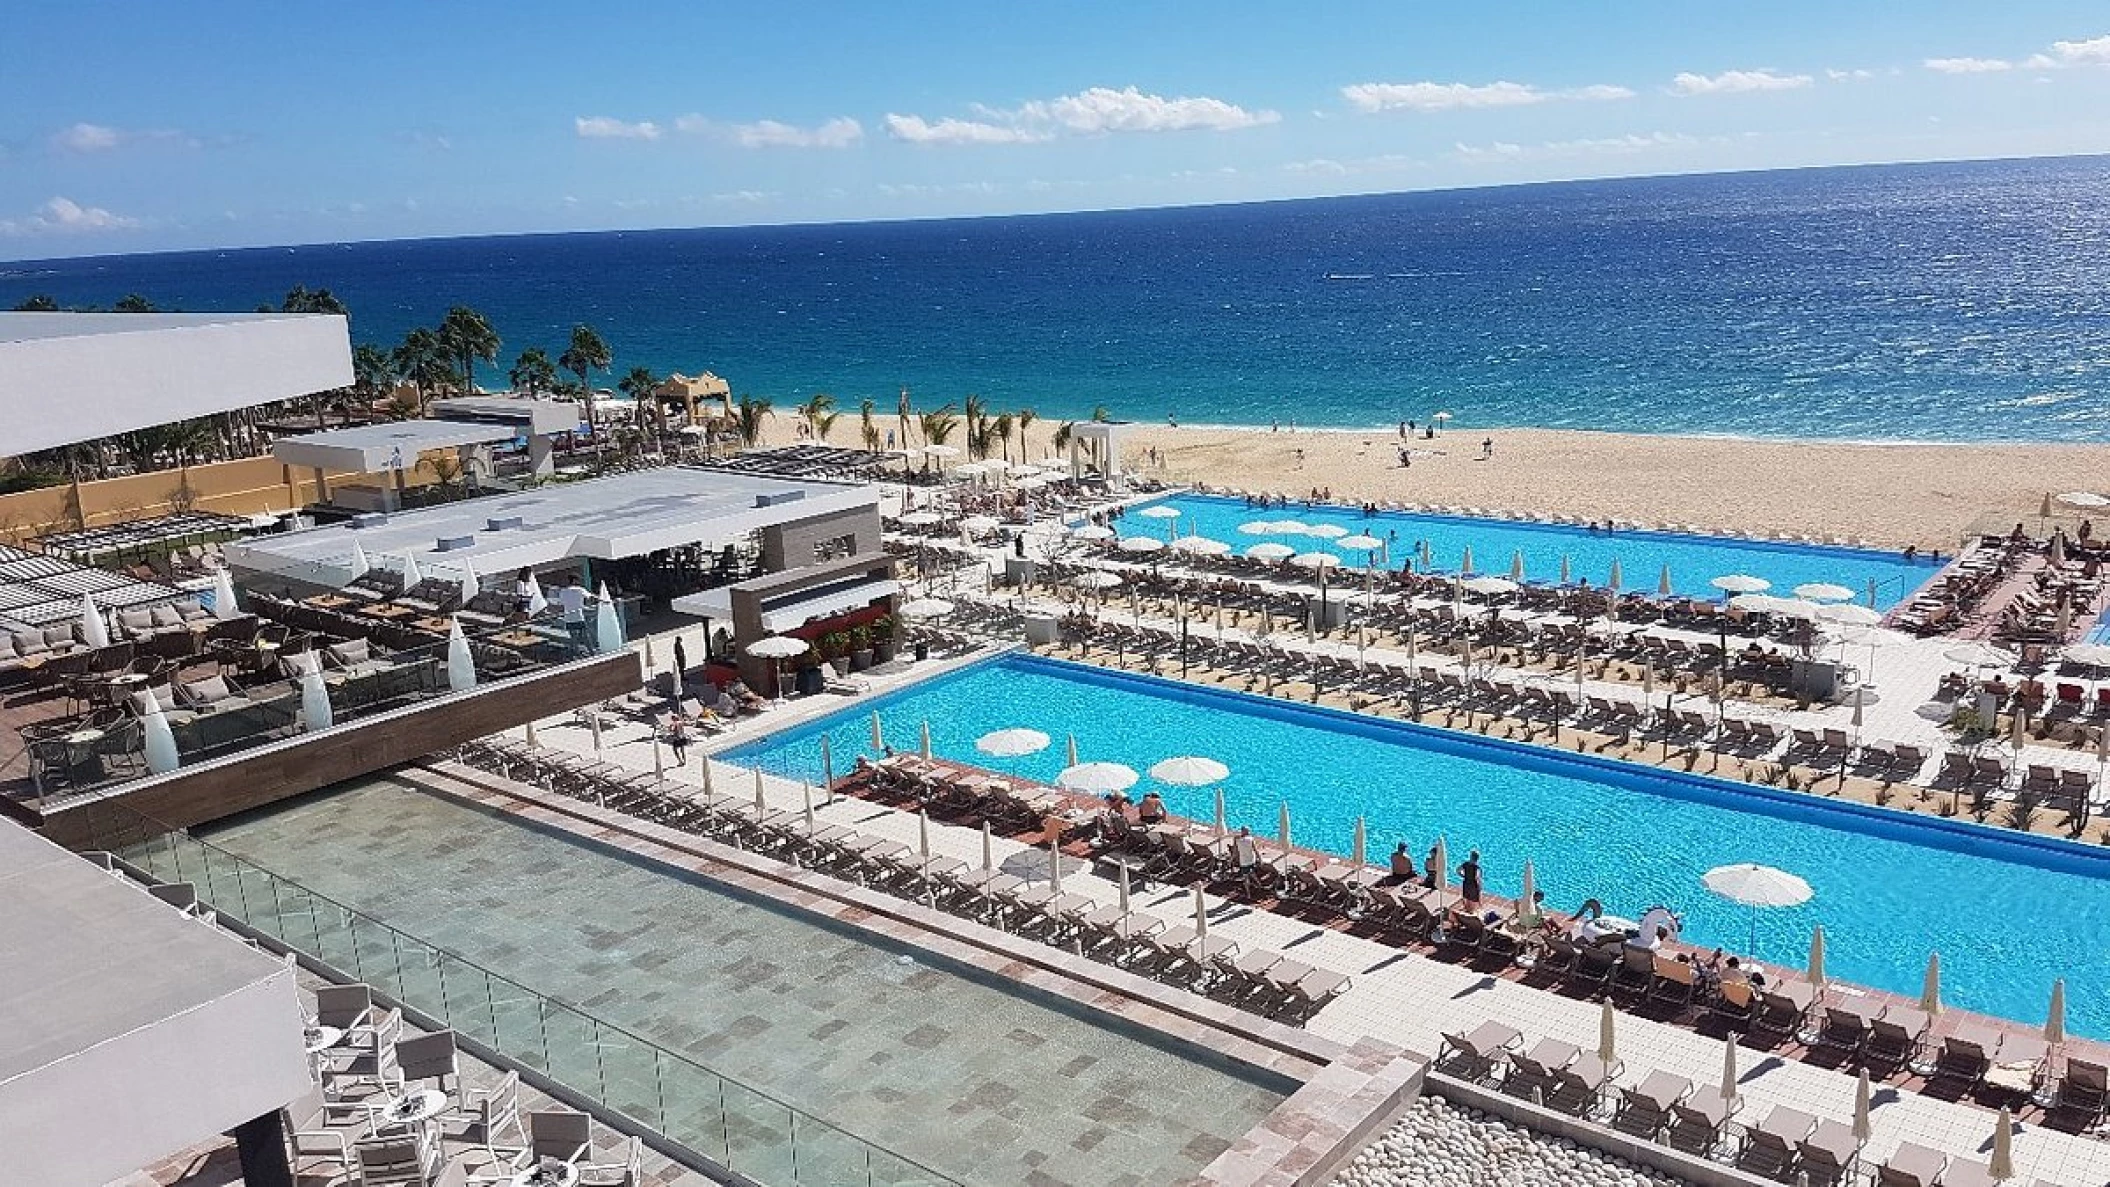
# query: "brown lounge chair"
[[1829, 1155], [1579, 1088], [1473, 1056], [1772, 1147], [2084, 1094], [1645, 1108], [1697, 1123], [1911, 1166], [1531, 1074]]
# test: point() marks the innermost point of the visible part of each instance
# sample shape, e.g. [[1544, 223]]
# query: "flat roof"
[[539, 417], [128, 1030], [386, 445], [622, 515]]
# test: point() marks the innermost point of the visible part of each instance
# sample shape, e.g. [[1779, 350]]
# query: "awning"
[[797, 606]]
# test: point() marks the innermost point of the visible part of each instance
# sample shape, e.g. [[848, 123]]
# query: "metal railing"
[[741, 1127]]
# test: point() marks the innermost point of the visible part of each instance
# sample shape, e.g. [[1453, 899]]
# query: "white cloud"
[[1968, 65], [1450, 96], [64, 216], [1096, 111], [601, 127], [840, 132], [2093, 52], [1629, 145], [87, 138], [1737, 82], [1328, 167], [1849, 75]]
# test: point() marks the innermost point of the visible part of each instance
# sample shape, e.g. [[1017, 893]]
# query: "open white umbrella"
[[1095, 579], [1190, 771], [1141, 544], [940, 451], [1200, 546], [1270, 552], [1259, 527], [1756, 603], [1728, 1088], [1565, 573], [1159, 511], [2084, 498], [922, 608], [1011, 743], [775, 649], [1823, 591], [1359, 543], [358, 566], [1848, 614], [1740, 583], [970, 470], [1489, 587], [412, 575], [1979, 655], [1292, 527], [1326, 531], [1201, 914], [1096, 778], [2090, 655], [1092, 531]]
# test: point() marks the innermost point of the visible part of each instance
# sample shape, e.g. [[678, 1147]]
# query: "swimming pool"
[[1693, 560], [2008, 912]]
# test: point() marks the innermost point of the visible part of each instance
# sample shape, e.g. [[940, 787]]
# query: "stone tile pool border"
[[1343, 1096]]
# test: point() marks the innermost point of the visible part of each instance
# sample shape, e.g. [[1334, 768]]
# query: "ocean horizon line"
[[1391, 432]]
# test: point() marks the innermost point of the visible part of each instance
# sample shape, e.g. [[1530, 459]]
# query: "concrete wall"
[[301, 764], [244, 486], [790, 545]]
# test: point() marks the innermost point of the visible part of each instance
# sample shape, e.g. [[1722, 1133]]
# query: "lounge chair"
[[1773, 1147], [1962, 1172], [1966, 1056], [1783, 1008], [1676, 983], [1530, 1075], [1846, 1027], [1698, 1122], [1637, 970], [1829, 1154], [1645, 1108], [1735, 1003], [1911, 1166], [1895, 1037], [2084, 1093], [1579, 1088], [1473, 1056], [395, 1161]]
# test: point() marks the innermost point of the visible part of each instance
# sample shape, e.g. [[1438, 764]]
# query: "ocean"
[[1926, 302]]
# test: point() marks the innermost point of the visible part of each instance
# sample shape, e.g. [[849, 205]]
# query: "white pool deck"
[[1412, 1000]]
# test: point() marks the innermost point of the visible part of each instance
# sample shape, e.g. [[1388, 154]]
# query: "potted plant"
[[860, 648], [835, 648], [882, 629]]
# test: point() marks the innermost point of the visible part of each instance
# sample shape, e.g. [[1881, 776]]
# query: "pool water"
[[1693, 560], [973, 1079], [2008, 912]]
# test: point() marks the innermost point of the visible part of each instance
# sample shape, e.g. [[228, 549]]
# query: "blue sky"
[[145, 126]]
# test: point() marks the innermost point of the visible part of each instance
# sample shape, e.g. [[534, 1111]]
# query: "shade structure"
[[1740, 583], [1141, 544], [1863, 1127], [223, 599], [1292, 527], [1315, 560], [1360, 543], [1608, 1033], [1092, 531], [924, 608], [1190, 771], [922, 519], [1095, 579], [1823, 591], [593, 727], [827, 766], [315, 701], [760, 804], [1930, 985], [1270, 552], [1096, 778], [94, 631], [1756, 603], [971, 470], [1489, 587], [1159, 511], [1816, 966], [1848, 614], [160, 739], [1200, 546], [941, 451], [1011, 743], [607, 625], [2055, 1017], [806, 798], [1754, 885], [1326, 531], [461, 666]]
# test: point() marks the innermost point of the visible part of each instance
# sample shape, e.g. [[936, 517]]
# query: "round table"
[[567, 1175], [318, 1039], [411, 1109]]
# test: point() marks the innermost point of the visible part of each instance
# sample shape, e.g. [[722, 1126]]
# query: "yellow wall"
[[242, 487]]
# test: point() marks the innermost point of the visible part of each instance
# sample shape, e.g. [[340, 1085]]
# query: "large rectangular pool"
[[1693, 560], [975, 1079], [2009, 912]]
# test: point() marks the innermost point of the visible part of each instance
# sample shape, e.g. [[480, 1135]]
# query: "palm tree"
[[1026, 417], [133, 303], [904, 412], [868, 427], [423, 361], [638, 383], [977, 414], [1001, 430], [468, 339], [1100, 414], [748, 414], [816, 407], [533, 373], [302, 299], [938, 425], [586, 354], [40, 303]]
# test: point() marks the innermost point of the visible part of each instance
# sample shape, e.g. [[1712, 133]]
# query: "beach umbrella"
[[1648, 685], [608, 626], [705, 763], [2044, 508], [1607, 1036], [1863, 1128], [1823, 591], [412, 575], [1201, 915], [923, 608], [2091, 655], [1258, 527], [2084, 498], [1740, 583], [1359, 854], [1221, 827], [1200, 546], [1439, 878], [1190, 771], [1428, 556], [1816, 969], [1314, 560], [775, 649], [1055, 864], [923, 835], [1441, 417], [2063, 624], [1096, 778], [471, 586], [359, 566], [988, 858], [1140, 544], [1755, 886], [1848, 614], [1092, 531], [461, 666], [1612, 583], [536, 603], [1756, 603], [827, 765], [1012, 743], [315, 702], [659, 762], [760, 807], [2055, 1018], [1122, 885], [1530, 890], [2002, 1164], [1565, 579], [1465, 559], [878, 736], [528, 734], [1095, 579], [1359, 543], [940, 451], [1728, 1089], [1930, 986], [806, 794], [970, 470], [1071, 753], [924, 747], [1516, 566], [94, 631], [223, 602], [1663, 585], [160, 740], [1270, 552], [1489, 587], [979, 523], [1282, 833], [1159, 511]]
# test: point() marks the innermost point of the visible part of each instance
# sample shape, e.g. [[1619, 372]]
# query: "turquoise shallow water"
[[1642, 556], [2008, 916]]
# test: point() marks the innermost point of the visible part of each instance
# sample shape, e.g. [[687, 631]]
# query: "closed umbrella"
[[923, 835], [1565, 578], [1359, 857], [593, 726], [1529, 894], [1221, 826], [1663, 585], [924, 748], [1072, 751], [1201, 915], [1282, 822], [1863, 1128], [1612, 583], [827, 765], [806, 795], [1817, 956], [536, 603], [1740, 583], [878, 736], [1607, 1044], [1728, 1089], [1930, 987], [160, 740], [1122, 884], [706, 765], [1516, 566], [1465, 559], [94, 631], [988, 857], [1055, 864], [2002, 1164], [2055, 1019]]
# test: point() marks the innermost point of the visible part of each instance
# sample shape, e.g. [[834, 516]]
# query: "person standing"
[[1469, 878], [678, 738], [681, 673], [572, 601]]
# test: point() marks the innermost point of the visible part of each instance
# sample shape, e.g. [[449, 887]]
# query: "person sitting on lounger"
[[1152, 810], [1402, 865], [1245, 853], [726, 706], [746, 696]]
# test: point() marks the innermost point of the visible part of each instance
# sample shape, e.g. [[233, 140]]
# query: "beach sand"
[[1889, 495]]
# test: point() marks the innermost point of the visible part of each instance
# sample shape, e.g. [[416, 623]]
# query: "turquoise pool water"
[[2008, 913], [1693, 560]]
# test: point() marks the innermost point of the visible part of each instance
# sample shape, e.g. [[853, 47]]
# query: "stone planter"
[[861, 659], [882, 651]]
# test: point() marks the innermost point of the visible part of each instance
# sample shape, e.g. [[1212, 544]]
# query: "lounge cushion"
[[28, 643], [167, 616], [58, 636], [349, 653], [136, 622], [208, 690]]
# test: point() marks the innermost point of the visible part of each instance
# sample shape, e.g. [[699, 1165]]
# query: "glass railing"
[[743, 1128]]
